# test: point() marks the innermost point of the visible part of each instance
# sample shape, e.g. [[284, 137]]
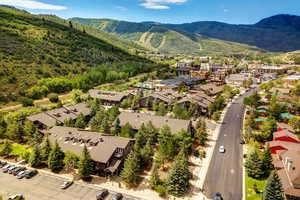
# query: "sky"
[[164, 11]]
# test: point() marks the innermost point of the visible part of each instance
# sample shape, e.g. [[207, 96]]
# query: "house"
[[262, 112], [284, 126], [166, 97], [211, 89], [285, 135], [51, 118], [198, 98], [283, 91], [285, 117], [107, 151], [292, 79], [272, 69], [287, 165], [237, 79], [276, 146], [175, 83], [109, 98], [137, 119]]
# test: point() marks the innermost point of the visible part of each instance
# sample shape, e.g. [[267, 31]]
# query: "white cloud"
[[160, 4], [32, 4], [122, 8]]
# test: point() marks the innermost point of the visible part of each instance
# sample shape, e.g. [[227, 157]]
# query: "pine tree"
[[86, 166], [46, 149], [80, 121], [154, 178], [127, 131], [117, 128], [273, 189], [105, 125], [267, 160], [254, 165], [130, 170], [146, 154], [178, 179], [14, 131], [35, 158], [55, 159], [6, 148]]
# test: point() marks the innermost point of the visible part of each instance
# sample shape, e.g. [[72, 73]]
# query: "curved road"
[[225, 173]]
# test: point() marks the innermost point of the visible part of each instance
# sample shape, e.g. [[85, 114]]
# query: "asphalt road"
[[225, 174], [47, 187]]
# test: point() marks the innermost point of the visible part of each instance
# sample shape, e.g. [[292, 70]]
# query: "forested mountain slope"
[[34, 47]]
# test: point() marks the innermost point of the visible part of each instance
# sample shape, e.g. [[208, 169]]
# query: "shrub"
[[26, 102], [53, 97], [161, 190], [196, 154]]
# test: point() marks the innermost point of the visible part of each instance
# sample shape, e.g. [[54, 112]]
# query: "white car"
[[222, 149], [16, 196]]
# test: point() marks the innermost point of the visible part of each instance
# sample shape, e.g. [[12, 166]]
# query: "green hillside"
[[161, 38], [37, 47], [278, 33]]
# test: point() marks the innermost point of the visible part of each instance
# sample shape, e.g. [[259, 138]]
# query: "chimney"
[[289, 165]]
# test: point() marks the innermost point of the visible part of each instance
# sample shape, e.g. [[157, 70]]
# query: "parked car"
[[222, 149], [242, 141], [218, 196], [116, 196], [18, 170], [6, 166], [16, 197], [102, 194], [2, 163], [66, 184], [30, 173], [7, 169], [21, 174], [11, 169]]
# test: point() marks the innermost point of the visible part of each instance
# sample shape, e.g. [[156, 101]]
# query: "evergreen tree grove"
[[35, 158], [55, 159], [86, 166], [130, 170], [273, 189], [179, 175]]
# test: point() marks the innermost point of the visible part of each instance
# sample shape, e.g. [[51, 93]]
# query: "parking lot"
[[46, 187]]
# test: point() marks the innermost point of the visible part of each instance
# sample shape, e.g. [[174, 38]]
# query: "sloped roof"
[[137, 119], [70, 139], [108, 95], [43, 118], [284, 133]]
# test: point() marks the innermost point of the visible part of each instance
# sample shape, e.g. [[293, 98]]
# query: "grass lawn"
[[251, 195], [18, 149]]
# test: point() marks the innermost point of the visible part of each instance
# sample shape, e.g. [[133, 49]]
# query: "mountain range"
[[279, 33]]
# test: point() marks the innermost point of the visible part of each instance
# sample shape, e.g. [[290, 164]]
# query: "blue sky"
[[165, 11]]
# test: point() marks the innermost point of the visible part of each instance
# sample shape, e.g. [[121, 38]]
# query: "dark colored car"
[[242, 141], [18, 170], [116, 196], [102, 194], [218, 196], [66, 184], [30, 173]]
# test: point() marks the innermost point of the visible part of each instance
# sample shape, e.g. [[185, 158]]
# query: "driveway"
[[46, 187]]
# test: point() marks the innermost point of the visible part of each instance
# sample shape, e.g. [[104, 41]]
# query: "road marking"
[[225, 135]]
